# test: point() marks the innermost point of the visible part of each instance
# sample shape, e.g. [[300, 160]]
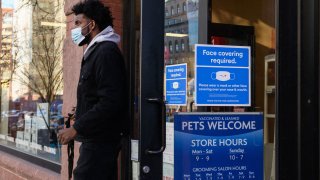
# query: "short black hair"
[[96, 11]]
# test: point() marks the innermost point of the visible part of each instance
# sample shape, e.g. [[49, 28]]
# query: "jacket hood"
[[107, 34]]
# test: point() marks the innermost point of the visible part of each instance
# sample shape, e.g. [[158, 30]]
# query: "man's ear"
[[94, 25]]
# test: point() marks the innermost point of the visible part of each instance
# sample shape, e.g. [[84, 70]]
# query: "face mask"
[[77, 37]]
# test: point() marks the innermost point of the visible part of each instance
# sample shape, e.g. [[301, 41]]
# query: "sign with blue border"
[[216, 146], [222, 75], [176, 84]]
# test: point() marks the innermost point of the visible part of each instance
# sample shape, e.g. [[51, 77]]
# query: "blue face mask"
[[77, 37]]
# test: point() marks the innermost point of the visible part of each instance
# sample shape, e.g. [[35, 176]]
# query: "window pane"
[[182, 32], [31, 76]]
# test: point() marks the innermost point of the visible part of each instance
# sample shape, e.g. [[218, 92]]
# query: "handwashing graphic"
[[175, 85], [223, 76]]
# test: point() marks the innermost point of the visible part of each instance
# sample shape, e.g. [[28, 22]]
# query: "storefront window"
[[31, 76]]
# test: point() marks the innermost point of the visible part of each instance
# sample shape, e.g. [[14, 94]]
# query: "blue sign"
[[222, 75], [214, 146], [176, 84]]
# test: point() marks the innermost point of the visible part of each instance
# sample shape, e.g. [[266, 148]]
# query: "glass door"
[[224, 24]]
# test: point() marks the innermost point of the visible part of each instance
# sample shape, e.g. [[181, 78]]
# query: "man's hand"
[[66, 135]]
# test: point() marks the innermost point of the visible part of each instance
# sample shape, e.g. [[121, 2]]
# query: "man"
[[101, 94]]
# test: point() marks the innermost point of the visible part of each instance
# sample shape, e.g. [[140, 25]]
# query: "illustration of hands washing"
[[175, 85]]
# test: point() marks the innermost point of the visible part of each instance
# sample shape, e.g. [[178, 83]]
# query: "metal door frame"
[[151, 103], [297, 94]]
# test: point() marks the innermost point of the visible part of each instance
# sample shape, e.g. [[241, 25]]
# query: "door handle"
[[163, 125]]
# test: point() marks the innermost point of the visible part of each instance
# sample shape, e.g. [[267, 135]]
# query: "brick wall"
[[72, 56], [13, 168]]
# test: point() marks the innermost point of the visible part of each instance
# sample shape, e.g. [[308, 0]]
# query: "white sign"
[[168, 153], [134, 150], [43, 112]]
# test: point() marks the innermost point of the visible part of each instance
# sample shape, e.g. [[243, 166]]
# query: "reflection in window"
[[182, 45], [172, 11], [182, 36], [170, 47], [167, 12], [177, 46], [31, 78]]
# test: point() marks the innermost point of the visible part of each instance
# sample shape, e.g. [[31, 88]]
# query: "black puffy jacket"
[[101, 113]]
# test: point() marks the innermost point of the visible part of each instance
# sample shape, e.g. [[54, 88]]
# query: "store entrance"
[[225, 23]]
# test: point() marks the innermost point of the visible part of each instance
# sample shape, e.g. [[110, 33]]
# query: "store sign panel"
[[218, 146], [222, 75], [176, 84]]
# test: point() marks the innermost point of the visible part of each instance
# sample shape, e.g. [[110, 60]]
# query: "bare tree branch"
[[43, 73]]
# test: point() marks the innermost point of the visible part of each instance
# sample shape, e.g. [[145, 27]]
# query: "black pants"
[[97, 161]]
